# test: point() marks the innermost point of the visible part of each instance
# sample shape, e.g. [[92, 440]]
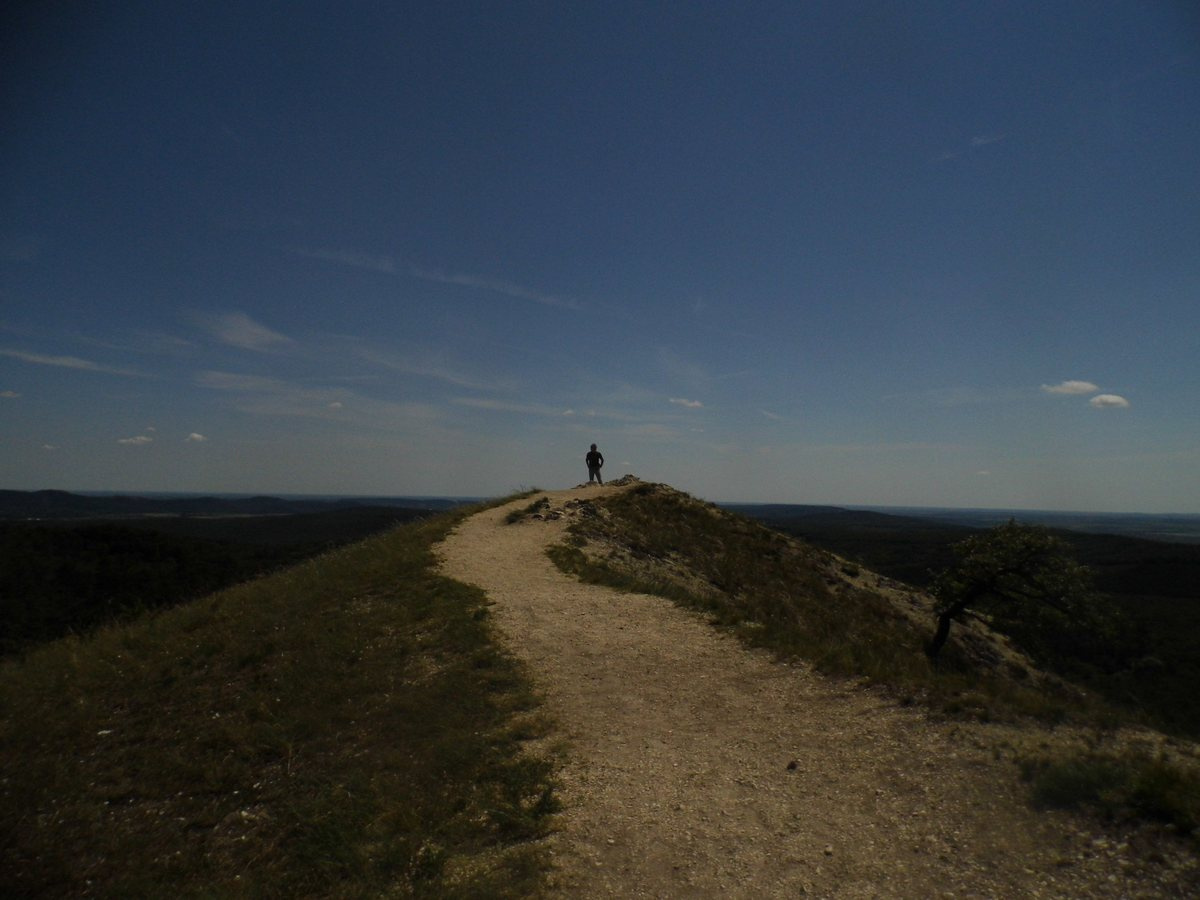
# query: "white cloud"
[[66, 362], [690, 404], [49, 447], [9, 395], [140, 439], [1070, 387], [774, 417], [195, 438], [1109, 401], [239, 330], [336, 404]]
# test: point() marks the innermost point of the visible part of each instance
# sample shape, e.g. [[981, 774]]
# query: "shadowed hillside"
[[1155, 669], [67, 576], [345, 727]]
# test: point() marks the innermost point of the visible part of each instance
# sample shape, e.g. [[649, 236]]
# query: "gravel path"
[[700, 769]]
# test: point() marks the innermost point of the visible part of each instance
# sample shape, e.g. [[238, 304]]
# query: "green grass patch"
[[345, 727], [1133, 784]]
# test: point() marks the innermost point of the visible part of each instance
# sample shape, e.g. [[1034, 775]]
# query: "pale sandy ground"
[[677, 783]]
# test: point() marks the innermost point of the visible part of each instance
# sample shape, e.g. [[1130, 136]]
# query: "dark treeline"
[[61, 578], [1151, 665], [66, 505]]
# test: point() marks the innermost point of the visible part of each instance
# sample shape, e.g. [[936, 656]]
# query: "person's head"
[[593, 446]]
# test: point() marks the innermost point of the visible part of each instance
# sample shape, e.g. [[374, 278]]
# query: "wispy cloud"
[[976, 142], [140, 439], [264, 396], [774, 417], [239, 330], [959, 396], [232, 381], [389, 266], [352, 258], [1070, 387], [1109, 401], [67, 362], [680, 369], [426, 368], [195, 438], [689, 404], [273, 396], [650, 430], [526, 409], [507, 288], [9, 395], [141, 342]]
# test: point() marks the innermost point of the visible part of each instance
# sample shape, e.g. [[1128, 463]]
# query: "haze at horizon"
[[879, 254]]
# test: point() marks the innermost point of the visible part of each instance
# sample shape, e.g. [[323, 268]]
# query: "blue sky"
[[920, 253]]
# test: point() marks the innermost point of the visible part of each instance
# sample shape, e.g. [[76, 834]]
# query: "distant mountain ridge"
[[53, 504], [1180, 528]]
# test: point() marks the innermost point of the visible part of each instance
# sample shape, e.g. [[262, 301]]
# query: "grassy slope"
[[789, 597], [782, 594], [346, 727]]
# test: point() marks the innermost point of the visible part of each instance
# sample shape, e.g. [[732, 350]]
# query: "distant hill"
[[909, 547], [65, 505]]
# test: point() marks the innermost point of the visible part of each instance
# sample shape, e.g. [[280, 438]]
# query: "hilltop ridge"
[[697, 766], [602, 691]]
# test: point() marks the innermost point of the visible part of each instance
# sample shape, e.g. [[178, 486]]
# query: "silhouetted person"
[[595, 462]]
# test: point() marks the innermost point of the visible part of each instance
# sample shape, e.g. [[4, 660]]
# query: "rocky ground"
[[699, 768]]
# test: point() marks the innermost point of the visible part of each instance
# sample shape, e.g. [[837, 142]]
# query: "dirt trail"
[[700, 769]]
